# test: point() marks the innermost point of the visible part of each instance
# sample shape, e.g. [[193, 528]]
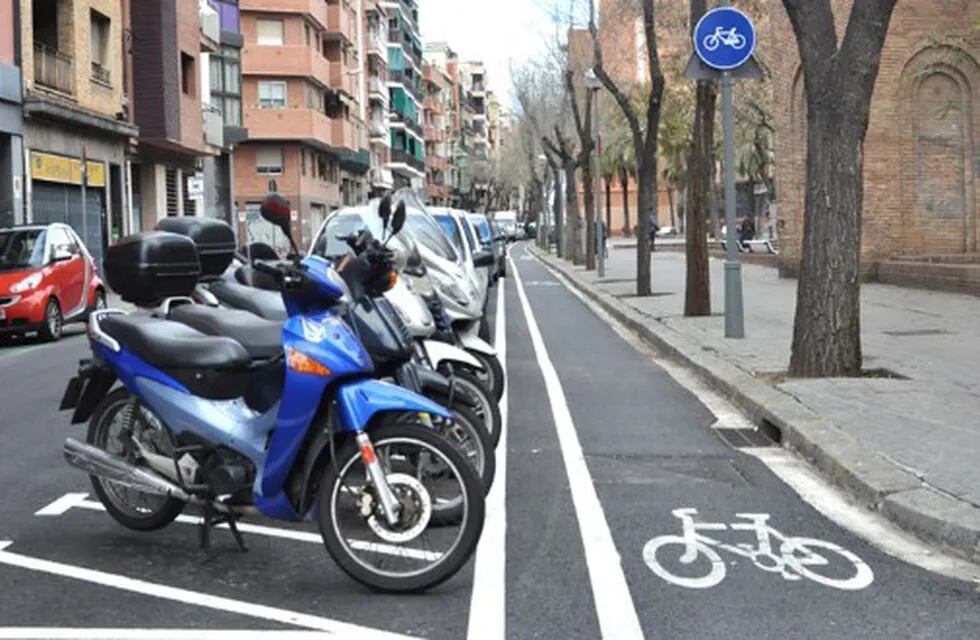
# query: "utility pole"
[[593, 84]]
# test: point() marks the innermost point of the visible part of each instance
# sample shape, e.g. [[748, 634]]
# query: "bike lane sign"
[[724, 38]]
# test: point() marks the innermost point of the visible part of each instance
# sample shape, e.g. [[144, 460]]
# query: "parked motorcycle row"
[[349, 386]]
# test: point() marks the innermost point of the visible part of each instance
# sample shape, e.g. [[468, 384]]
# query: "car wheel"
[[54, 322]]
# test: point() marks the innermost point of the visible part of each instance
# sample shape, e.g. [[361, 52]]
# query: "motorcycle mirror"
[[399, 219], [275, 210], [384, 210]]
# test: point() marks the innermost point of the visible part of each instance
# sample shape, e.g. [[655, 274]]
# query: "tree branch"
[[618, 95]]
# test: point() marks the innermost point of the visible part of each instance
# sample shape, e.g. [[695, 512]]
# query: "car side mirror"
[[61, 253], [483, 259]]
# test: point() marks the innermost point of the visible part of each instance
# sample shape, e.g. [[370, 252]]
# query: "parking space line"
[[488, 603], [67, 633], [193, 598], [613, 601], [79, 501]]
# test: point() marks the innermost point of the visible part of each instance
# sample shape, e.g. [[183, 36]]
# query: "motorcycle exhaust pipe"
[[106, 465]]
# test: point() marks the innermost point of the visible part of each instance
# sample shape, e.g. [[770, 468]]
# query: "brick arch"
[[938, 95]]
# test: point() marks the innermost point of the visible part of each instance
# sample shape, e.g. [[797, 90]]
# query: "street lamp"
[[594, 84], [544, 222]]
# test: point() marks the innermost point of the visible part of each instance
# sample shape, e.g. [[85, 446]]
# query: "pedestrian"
[[654, 228]]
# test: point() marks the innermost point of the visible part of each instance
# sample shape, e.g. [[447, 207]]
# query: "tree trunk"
[[572, 248], [646, 209], [827, 328], [608, 182], [670, 208], [588, 182], [624, 182], [697, 293]]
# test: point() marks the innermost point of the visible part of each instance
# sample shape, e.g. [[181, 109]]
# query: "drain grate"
[[746, 438], [917, 332]]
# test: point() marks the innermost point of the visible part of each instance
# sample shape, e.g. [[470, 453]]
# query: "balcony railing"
[[404, 157], [399, 118], [101, 75], [53, 69], [378, 128], [214, 126]]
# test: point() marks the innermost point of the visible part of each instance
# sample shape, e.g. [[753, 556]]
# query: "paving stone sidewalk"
[[907, 446]]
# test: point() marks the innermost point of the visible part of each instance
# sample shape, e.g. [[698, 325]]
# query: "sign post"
[[724, 40], [84, 181]]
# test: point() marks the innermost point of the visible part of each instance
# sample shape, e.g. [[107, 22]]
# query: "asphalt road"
[[602, 447]]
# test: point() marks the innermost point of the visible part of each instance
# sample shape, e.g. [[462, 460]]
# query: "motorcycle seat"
[[167, 344], [265, 304], [261, 338]]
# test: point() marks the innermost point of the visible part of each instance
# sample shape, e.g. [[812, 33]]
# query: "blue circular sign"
[[724, 38]]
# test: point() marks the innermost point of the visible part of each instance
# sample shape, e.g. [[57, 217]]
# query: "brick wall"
[[922, 153]]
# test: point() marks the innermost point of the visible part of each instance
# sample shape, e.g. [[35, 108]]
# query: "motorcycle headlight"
[[28, 283], [452, 290]]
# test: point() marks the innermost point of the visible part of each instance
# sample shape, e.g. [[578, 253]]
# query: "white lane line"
[[488, 603], [613, 601], [795, 473], [193, 598], [78, 501], [94, 633]]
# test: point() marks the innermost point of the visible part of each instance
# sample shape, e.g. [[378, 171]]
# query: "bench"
[[755, 246]]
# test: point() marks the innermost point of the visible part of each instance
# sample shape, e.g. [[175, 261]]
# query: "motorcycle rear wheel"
[[488, 409], [130, 508], [393, 445]]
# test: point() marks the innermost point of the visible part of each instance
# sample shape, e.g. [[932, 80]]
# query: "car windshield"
[[451, 229], [483, 229], [470, 238], [21, 248]]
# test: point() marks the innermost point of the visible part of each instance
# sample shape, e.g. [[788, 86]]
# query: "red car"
[[47, 278]]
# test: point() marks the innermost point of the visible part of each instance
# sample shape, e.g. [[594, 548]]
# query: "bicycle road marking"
[[194, 598], [789, 556], [613, 600], [488, 601]]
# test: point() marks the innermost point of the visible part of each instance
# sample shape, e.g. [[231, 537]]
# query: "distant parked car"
[[491, 238], [47, 279]]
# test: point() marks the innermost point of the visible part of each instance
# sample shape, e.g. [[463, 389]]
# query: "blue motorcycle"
[[307, 434]]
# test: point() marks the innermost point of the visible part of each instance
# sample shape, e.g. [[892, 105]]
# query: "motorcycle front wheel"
[[413, 554]]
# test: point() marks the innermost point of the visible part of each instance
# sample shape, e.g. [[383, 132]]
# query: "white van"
[[507, 220]]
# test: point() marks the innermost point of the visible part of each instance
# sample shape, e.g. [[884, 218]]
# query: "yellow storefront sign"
[[52, 168]]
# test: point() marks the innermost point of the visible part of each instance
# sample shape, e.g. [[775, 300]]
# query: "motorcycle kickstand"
[[213, 518]]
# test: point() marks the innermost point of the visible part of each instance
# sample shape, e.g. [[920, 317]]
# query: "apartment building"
[[406, 92], [76, 130], [438, 88], [441, 57], [473, 79], [302, 83], [11, 117], [376, 88]]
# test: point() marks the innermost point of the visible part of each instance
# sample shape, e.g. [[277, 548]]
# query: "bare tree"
[[644, 133], [839, 82]]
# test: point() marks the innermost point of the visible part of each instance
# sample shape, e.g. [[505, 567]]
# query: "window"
[[232, 77], [217, 69], [302, 161], [99, 42], [22, 248], [269, 32], [306, 30], [272, 95], [268, 161], [187, 74], [232, 112]]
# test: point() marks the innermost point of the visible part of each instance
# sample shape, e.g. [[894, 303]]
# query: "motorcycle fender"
[[433, 382], [86, 390], [439, 352], [361, 401], [476, 343]]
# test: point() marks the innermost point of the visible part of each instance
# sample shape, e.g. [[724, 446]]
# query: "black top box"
[[147, 267], [214, 238]]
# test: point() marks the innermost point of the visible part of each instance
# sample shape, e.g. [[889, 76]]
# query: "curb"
[[872, 481]]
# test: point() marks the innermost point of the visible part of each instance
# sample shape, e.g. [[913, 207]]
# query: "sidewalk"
[[906, 445]]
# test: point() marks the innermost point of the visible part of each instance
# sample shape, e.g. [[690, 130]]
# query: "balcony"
[[377, 128], [437, 163], [433, 104], [407, 80], [398, 156], [53, 69], [341, 22], [377, 89], [289, 60], [214, 126], [210, 27], [435, 134], [376, 44], [308, 125], [101, 75], [399, 120], [342, 80], [315, 9]]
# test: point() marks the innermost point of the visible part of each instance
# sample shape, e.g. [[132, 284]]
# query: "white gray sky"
[[495, 31]]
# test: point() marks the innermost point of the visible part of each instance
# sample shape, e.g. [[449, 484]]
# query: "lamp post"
[[593, 84], [542, 163]]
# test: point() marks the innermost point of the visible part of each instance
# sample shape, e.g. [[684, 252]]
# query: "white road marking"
[[795, 473], [193, 598], [488, 602], [613, 601], [79, 500], [65, 633]]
